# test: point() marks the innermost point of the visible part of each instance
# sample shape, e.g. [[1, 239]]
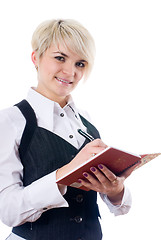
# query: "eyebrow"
[[63, 54]]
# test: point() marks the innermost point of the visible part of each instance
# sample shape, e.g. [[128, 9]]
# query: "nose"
[[69, 69]]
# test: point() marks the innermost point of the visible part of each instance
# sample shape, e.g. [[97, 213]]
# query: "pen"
[[86, 135]]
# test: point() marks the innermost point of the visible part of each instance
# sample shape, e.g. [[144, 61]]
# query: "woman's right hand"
[[86, 153]]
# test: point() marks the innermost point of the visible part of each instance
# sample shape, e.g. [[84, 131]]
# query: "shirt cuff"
[[121, 209], [44, 193]]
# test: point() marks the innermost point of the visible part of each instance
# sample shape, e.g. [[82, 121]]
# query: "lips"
[[63, 80]]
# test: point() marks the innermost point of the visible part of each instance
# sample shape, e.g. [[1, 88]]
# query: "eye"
[[80, 64], [60, 58]]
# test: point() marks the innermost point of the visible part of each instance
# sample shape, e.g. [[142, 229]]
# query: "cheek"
[[80, 75], [47, 70]]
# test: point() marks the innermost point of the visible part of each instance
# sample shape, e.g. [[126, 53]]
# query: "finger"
[[90, 178], [89, 182], [104, 180], [98, 143], [84, 183], [99, 175], [110, 175]]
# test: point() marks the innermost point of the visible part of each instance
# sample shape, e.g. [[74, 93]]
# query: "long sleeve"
[[19, 204], [121, 209]]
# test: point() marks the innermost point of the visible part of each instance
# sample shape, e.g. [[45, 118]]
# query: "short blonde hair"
[[68, 32]]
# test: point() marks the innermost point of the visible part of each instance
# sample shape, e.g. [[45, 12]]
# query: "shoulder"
[[11, 115], [12, 121]]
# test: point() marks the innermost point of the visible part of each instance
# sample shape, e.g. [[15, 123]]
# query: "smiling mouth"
[[64, 81]]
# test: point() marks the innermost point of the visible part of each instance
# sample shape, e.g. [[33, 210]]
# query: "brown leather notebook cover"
[[116, 160]]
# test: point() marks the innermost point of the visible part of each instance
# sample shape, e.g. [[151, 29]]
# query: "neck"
[[62, 101]]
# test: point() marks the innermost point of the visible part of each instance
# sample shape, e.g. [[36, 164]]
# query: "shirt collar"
[[44, 108]]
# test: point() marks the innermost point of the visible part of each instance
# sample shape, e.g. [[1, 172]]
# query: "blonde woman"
[[39, 141]]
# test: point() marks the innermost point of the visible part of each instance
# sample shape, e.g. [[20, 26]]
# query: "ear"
[[34, 59]]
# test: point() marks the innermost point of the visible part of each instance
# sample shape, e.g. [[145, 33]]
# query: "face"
[[59, 72]]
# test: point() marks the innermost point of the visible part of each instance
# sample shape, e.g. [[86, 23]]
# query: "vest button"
[[71, 136], [78, 219], [79, 198], [61, 114]]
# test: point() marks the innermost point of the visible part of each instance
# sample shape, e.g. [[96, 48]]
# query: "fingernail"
[[79, 180], [85, 174], [92, 169], [100, 166]]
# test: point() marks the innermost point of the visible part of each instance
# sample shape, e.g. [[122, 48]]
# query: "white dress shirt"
[[19, 204]]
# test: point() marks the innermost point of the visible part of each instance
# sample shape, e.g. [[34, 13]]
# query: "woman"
[[39, 142]]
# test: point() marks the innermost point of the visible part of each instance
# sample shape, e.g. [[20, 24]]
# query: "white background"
[[124, 87]]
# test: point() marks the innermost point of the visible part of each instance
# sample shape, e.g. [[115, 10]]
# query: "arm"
[[110, 186], [19, 204]]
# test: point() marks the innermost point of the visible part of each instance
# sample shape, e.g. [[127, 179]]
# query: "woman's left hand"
[[105, 181]]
